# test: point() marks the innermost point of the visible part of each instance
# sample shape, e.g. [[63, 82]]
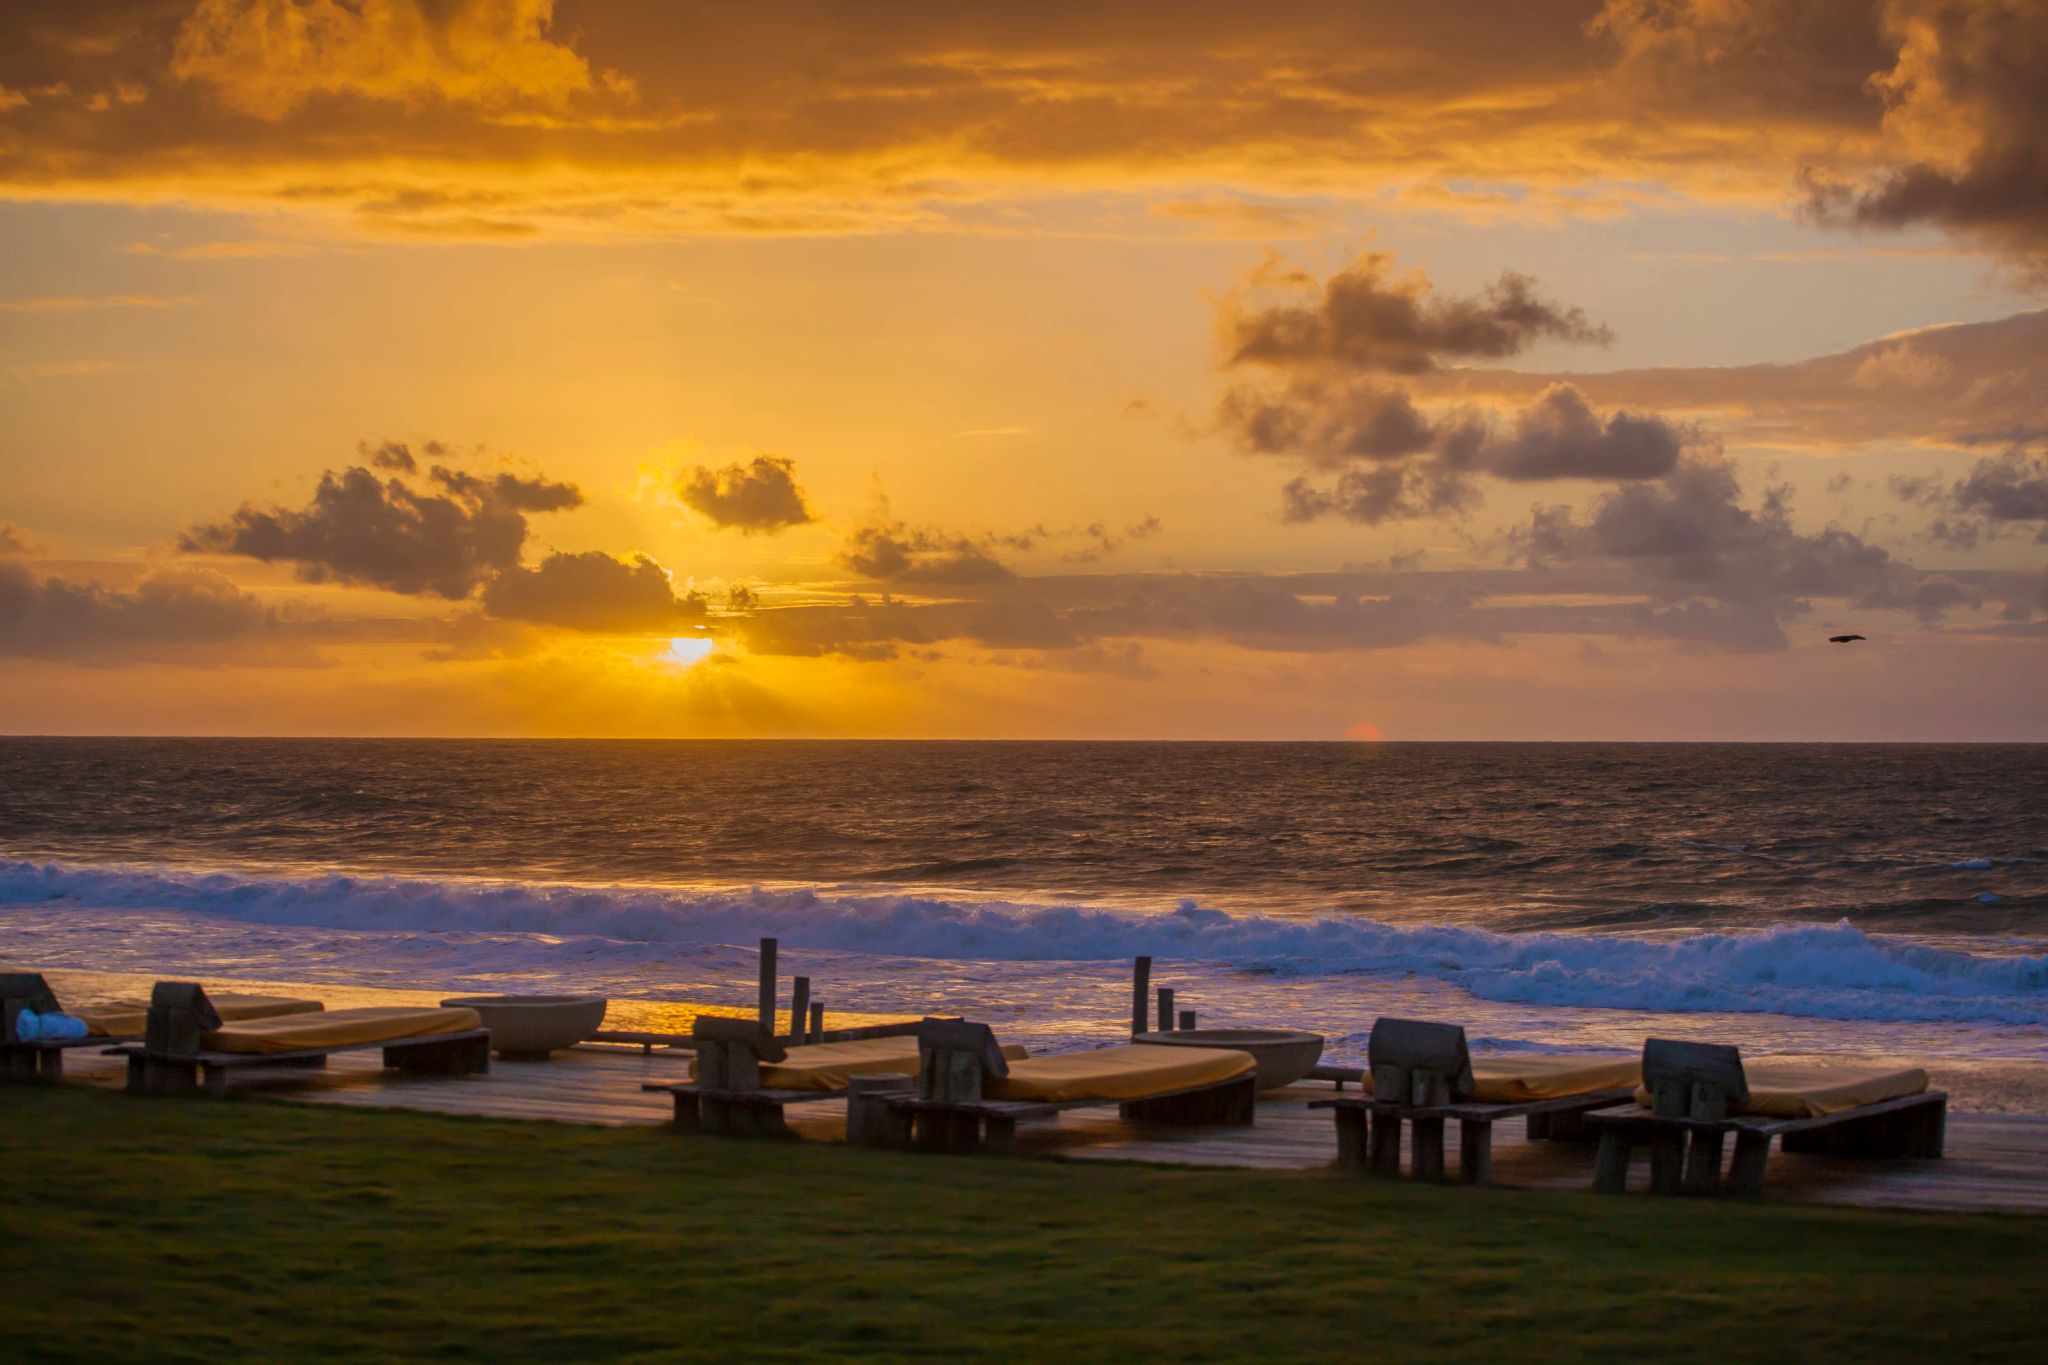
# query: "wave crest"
[[1812, 970]]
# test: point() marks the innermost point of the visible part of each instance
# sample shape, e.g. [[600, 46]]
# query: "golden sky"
[[1462, 370]]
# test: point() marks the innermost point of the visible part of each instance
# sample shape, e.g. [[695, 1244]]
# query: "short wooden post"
[[1187, 1021], [1667, 1160], [1427, 1138], [766, 1009], [1746, 1172], [1475, 1152], [1166, 1009], [867, 1111], [1352, 1131], [1386, 1144], [1610, 1168], [817, 1023], [1703, 1158], [1141, 981], [799, 1007]]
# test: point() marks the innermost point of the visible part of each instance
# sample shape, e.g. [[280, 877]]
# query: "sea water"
[[1880, 898]]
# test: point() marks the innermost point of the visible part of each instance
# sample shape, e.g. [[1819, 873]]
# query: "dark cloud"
[[397, 455], [2001, 493], [1363, 320], [591, 591], [1966, 123], [171, 616], [443, 535], [1559, 436], [1332, 407], [757, 498], [2007, 488], [1689, 539], [1326, 421], [1383, 493], [890, 552]]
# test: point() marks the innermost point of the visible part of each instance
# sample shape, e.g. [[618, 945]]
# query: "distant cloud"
[[1362, 318], [15, 541], [1559, 436], [1336, 398], [441, 535], [172, 616], [889, 551], [591, 591], [758, 498]]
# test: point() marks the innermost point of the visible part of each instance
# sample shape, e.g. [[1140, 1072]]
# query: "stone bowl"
[[1284, 1055], [532, 1026]]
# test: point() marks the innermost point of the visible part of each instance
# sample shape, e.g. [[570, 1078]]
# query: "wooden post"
[[817, 1022], [799, 1007], [767, 1005], [1703, 1158], [1475, 1152], [1352, 1131], [1187, 1020], [1610, 1171], [1166, 1009], [1426, 1137], [1141, 980], [1386, 1144], [1752, 1153]]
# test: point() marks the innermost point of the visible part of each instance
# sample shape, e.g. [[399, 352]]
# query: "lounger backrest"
[[1418, 1062], [1695, 1080], [730, 1052], [179, 1014], [957, 1059], [23, 991]]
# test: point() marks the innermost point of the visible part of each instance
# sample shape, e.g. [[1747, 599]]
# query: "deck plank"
[[1995, 1162]]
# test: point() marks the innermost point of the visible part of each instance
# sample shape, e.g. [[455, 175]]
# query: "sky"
[[798, 369]]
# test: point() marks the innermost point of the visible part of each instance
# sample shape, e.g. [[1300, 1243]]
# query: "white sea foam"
[[1812, 970]]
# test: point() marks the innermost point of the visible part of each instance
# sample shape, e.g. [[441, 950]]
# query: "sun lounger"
[[43, 1059], [117, 1020], [970, 1096], [743, 1076], [1694, 1094], [1423, 1074], [187, 1042]]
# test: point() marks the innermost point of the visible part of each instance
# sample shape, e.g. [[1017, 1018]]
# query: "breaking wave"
[[1824, 971]]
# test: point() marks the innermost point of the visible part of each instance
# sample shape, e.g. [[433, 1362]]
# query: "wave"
[[1825, 971]]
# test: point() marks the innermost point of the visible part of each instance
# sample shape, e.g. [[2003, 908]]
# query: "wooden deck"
[[1995, 1162]]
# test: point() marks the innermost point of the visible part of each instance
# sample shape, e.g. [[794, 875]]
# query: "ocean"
[[1873, 898]]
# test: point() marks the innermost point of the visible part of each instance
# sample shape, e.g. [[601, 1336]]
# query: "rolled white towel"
[[30, 1027]]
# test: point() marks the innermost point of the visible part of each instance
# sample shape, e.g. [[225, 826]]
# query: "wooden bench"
[[726, 1099], [1693, 1086], [1422, 1076], [32, 1059], [950, 1112], [170, 1061]]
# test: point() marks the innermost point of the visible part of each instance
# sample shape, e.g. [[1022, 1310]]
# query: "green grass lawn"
[[147, 1230]]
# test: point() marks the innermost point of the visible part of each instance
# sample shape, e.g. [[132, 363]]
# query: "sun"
[[688, 651]]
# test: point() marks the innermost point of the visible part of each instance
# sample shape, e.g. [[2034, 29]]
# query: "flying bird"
[[1842, 639]]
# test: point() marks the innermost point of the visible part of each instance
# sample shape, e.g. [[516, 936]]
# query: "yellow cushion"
[[338, 1028], [129, 1018], [827, 1066], [1542, 1076], [1812, 1090], [1132, 1071]]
